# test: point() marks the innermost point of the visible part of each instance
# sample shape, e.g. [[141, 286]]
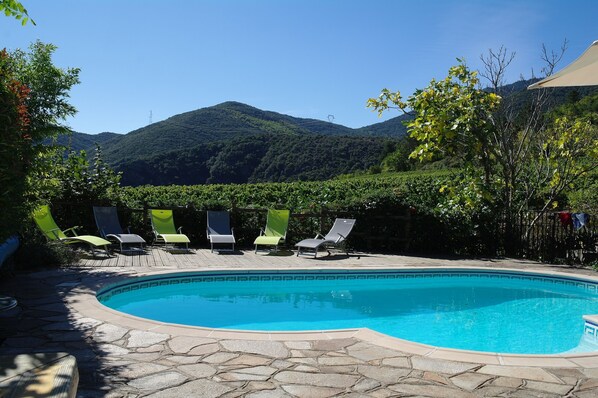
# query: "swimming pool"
[[480, 310]]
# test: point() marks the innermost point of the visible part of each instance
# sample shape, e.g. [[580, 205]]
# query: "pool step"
[[590, 329]]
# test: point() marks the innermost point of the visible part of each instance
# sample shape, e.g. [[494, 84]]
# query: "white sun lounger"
[[219, 231], [110, 228], [335, 238]]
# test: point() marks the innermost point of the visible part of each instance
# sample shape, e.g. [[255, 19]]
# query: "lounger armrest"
[[128, 229], [318, 236], [262, 232], [73, 229], [180, 230], [341, 236], [232, 231]]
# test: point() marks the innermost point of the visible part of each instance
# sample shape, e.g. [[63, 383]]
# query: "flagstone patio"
[[126, 358]]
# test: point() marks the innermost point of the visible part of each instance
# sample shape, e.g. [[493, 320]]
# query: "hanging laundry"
[[565, 218], [580, 220]]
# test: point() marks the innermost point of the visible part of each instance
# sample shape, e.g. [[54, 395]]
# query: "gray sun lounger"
[[110, 229], [219, 231], [336, 237]]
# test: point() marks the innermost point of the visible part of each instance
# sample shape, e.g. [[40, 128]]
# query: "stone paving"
[[116, 361]]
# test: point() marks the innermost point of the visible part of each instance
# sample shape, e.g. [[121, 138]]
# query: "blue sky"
[[308, 58]]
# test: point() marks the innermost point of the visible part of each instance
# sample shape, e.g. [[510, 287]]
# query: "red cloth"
[[565, 218]]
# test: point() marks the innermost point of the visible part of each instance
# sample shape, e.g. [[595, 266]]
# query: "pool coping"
[[82, 299]]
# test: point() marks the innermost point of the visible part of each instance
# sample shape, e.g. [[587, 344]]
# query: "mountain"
[[222, 122], [79, 141], [257, 158], [234, 142], [390, 128]]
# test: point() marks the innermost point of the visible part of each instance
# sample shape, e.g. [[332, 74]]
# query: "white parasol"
[[582, 72]]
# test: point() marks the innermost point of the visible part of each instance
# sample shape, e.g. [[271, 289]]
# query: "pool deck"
[[124, 356]]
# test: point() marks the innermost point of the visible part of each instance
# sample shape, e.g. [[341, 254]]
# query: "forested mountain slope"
[[234, 142]]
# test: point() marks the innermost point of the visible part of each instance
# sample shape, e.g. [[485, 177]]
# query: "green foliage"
[[515, 156], [236, 143], [368, 198], [452, 117], [257, 158], [36, 252], [72, 186], [398, 159], [47, 106], [578, 107], [33, 100], [78, 141], [569, 153], [236, 163], [394, 127], [516, 100], [217, 124], [298, 196], [49, 86], [71, 178], [14, 8], [584, 198], [582, 194], [15, 147]]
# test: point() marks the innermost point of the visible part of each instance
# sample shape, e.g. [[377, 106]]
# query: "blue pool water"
[[475, 310]]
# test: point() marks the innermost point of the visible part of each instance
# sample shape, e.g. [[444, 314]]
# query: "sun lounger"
[[7, 249], [44, 220], [110, 229], [275, 232], [164, 230], [219, 231], [336, 237]]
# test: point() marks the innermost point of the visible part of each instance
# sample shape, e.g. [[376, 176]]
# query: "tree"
[[72, 179], [539, 154], [33, 101], [396, 156], [14, 8], [15, 143], [453, 117], [513, 153], [49, 87]]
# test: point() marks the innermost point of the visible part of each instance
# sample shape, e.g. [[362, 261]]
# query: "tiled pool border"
[[83, 300], [315, 275]]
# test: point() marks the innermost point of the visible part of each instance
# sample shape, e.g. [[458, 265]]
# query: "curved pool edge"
[[83, 300]]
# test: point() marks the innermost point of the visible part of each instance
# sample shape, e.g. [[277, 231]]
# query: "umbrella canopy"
[[582, 72]]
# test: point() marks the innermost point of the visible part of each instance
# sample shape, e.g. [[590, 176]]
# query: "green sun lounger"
[[275, 232], [164, 230], [44, 220]]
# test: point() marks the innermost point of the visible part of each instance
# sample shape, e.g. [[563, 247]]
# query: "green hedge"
[[382, 205]]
